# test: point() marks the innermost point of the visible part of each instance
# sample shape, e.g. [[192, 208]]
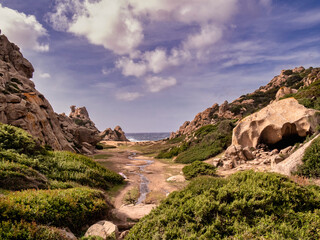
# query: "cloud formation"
[[120, 25], [23, 29], [128, 96]]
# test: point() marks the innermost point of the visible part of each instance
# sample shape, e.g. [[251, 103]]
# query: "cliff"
[[23, 106]]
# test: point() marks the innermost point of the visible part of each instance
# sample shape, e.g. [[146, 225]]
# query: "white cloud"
[[128, 96], [44, 75], [118, 25], [109, 23], [208, 35], [24, 30], [156, 84], [131, 68]]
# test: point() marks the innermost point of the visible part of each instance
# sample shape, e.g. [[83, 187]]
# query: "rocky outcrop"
[[113, 135], [287, 82], [104, 229], [283, 119], [21, 104], [283, 91], [80, 130]]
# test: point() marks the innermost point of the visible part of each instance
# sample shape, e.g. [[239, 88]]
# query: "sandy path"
[[156, 173]]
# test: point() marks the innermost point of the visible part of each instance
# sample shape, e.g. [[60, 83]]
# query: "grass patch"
[[131, 197], [246, 205], [155, 197], [65, 167], [102, 156], [198, 168], [72, 208]]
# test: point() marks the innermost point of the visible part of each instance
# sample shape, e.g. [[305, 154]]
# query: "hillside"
[[210, 132]]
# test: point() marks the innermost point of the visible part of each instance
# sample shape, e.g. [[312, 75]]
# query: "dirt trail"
[[135, 168]]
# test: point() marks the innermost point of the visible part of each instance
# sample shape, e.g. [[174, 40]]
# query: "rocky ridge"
[[287, 82]]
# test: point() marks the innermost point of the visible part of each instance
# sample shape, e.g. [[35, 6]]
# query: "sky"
[[148, 66]]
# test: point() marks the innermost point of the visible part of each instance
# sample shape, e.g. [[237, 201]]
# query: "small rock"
[[247, 153], [123, 234], [177, 178]]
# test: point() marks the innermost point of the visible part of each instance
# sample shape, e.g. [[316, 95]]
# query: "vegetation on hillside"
[[56, 196], [207, 141], [309, 96], [198, 168], [73, 208], [311, 164], [246, 205]]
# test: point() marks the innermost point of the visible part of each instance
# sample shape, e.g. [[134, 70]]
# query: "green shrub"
[[19, 230], [174, 151], [132, 196], [19, 140], [308, 96], [198, 168], [91, 238], [15, 176], [209, 141], [66, 167], [310, 162], [72, 208], [246, 205]]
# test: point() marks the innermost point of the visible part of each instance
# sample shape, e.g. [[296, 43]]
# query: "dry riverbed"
[[144, 173]]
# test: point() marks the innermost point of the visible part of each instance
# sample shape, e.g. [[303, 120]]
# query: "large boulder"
[[277, 121], [104, 229]]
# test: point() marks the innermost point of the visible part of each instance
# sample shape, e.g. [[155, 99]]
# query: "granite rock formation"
[[282, 119], [113, 135], [79, 130], [21, 104]]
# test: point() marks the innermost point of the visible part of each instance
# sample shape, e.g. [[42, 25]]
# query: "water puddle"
[[144, 189]]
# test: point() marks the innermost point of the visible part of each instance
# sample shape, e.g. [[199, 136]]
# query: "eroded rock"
[[275, 122]]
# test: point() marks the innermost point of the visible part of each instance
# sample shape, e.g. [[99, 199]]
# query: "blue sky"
[[148, 66]]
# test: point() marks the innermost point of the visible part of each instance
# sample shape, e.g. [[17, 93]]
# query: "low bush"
[[72, 208], [209, 141], [246, 205], [198, 168], [19, 230], [132, 196], [310, 166], [19, 140], [15, 176], [66, 167]]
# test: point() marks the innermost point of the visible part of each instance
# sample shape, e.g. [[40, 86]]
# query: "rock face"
[[113, 135], [80, 130], [283, 119], [104, 229], [21, 104]]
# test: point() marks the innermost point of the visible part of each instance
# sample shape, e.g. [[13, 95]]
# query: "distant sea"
[[141, 137]]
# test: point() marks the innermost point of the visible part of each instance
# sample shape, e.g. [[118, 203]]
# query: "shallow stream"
[[144, 189]]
